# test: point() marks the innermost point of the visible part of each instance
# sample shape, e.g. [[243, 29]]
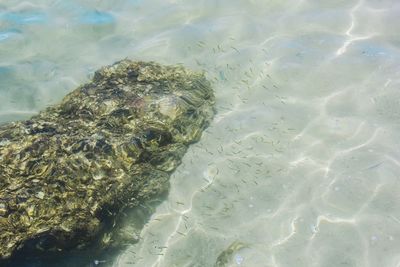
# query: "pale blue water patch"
[[9, 34], [5, 71], [96, 17], [375, 50], [24, 18], [79, 14]]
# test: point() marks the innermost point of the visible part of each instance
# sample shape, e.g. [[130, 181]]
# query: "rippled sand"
[[301, 164]]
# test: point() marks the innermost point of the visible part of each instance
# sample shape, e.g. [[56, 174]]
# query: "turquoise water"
[[301, 163]]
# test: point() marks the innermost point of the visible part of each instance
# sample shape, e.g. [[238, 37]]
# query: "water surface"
[[301, 163]]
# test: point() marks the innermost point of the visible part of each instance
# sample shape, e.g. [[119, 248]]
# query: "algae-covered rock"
[[226, 255], [66, 173]]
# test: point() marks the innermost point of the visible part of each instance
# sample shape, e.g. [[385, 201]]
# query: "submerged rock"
[[68, 172], [225, 256]]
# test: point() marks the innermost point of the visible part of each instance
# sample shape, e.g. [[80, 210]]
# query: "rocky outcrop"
[[66, 173]]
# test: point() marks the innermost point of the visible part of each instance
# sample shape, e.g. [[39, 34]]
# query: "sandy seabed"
[[301, 163]]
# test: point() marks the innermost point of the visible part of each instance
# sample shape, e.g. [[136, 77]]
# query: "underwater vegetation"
[[67, 173]]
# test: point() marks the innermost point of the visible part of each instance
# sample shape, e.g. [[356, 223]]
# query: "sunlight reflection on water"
[[301, 162]]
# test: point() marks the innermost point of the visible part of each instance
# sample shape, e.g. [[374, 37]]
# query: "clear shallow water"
[[302, 161]]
